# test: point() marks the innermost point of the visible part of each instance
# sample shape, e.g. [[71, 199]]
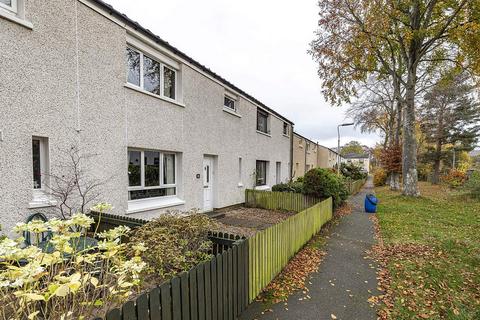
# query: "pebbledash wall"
[[63, 79]]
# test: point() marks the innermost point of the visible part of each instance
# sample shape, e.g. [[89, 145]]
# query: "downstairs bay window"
[[151, 174]]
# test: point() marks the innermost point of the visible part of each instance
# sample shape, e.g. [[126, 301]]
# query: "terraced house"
[[308, 154], [167, 132]]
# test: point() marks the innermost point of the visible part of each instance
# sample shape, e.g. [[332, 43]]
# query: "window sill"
[[14, 18], [233, 113], [135, 88], [240, 185], [264, 133], [34, 204], [141, 205], [286, 135], [263, 188]]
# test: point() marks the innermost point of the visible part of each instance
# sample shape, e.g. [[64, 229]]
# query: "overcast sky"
[[260, 46]]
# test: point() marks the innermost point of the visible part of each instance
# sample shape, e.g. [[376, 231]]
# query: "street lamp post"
[[338, 149]]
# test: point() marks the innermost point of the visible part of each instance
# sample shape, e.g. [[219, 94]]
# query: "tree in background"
[[403, 38], [352, 147], [450, 117]]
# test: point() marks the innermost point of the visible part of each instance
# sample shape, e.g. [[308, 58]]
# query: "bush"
[[175, 242], [295, 186], [68, 283], [454, 178], [379, 177], [323, 183], [424, 171], [349, 170], [473, 184]]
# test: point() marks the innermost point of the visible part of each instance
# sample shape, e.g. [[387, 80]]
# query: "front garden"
[[430, 253], [88, 266]]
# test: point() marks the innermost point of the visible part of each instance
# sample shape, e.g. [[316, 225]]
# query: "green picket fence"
[[270, 250], [278, 200], [355, 186]]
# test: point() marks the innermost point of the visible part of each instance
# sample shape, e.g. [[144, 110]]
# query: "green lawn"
[[439, 276]]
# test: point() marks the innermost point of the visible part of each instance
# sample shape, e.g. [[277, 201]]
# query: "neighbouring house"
[[308, 154], [361, 160], [327, 158], [168, 132]]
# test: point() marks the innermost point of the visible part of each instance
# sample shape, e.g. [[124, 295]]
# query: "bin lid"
[[372, 198]]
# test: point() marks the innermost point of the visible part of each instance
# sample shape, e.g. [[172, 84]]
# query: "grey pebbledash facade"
[[174, 136]]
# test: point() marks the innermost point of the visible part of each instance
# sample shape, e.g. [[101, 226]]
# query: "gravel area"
[[247, 221]]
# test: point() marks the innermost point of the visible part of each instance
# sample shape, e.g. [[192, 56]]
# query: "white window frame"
[[240, 172], [163, 66], [41, 197], [286, 125], [226, 96], [162, 85], [161, 185], [278, 172], [12, 8], [44, 166], [267, 114]]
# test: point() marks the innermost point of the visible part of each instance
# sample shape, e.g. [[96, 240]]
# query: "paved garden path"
[[345, 279]]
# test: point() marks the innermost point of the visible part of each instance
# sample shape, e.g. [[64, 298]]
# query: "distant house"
[[327, 158], [361, 160], [170, 133], [308, 154]]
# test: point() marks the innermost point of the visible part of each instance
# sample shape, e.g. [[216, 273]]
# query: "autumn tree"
[[351, 147], [396, 37], [450, 116]]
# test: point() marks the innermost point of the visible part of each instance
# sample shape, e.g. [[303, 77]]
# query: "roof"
[[135, 25], [303, 137], [355, 156]]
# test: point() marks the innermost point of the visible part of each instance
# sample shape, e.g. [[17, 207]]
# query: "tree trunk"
[[409, 168], [395, 176], [436, 171]]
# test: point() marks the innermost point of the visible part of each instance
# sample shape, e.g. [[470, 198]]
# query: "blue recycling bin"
[[371, 203]]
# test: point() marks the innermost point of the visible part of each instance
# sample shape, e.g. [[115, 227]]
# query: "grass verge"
[[430, 254]]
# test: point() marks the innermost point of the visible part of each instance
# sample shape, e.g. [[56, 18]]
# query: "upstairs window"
[[229, 103], [10, 5], [169, 77], [262, 121], [150, 75], [151, 174], [286, 130]]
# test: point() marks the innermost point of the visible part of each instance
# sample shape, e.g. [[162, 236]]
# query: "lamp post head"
[[346, 124]]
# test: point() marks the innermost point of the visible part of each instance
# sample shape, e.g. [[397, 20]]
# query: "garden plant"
[[67, 283]]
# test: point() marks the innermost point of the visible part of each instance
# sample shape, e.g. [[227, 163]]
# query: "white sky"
[[260, 46]]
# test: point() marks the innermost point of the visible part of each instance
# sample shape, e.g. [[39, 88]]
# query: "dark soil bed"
[[248, 221]]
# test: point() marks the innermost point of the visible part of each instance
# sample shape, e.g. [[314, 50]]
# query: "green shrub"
[[300, 179], [473, 184], [379, 177], [354, 172], [323, 183], [175, 242], [295, 186]]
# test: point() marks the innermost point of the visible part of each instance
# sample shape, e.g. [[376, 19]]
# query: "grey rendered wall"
[[38, 97]]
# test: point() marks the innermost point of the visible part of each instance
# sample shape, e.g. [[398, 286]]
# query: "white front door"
[[208, 175]]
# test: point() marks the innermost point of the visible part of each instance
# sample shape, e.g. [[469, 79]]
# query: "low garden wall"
[[222, 288]]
